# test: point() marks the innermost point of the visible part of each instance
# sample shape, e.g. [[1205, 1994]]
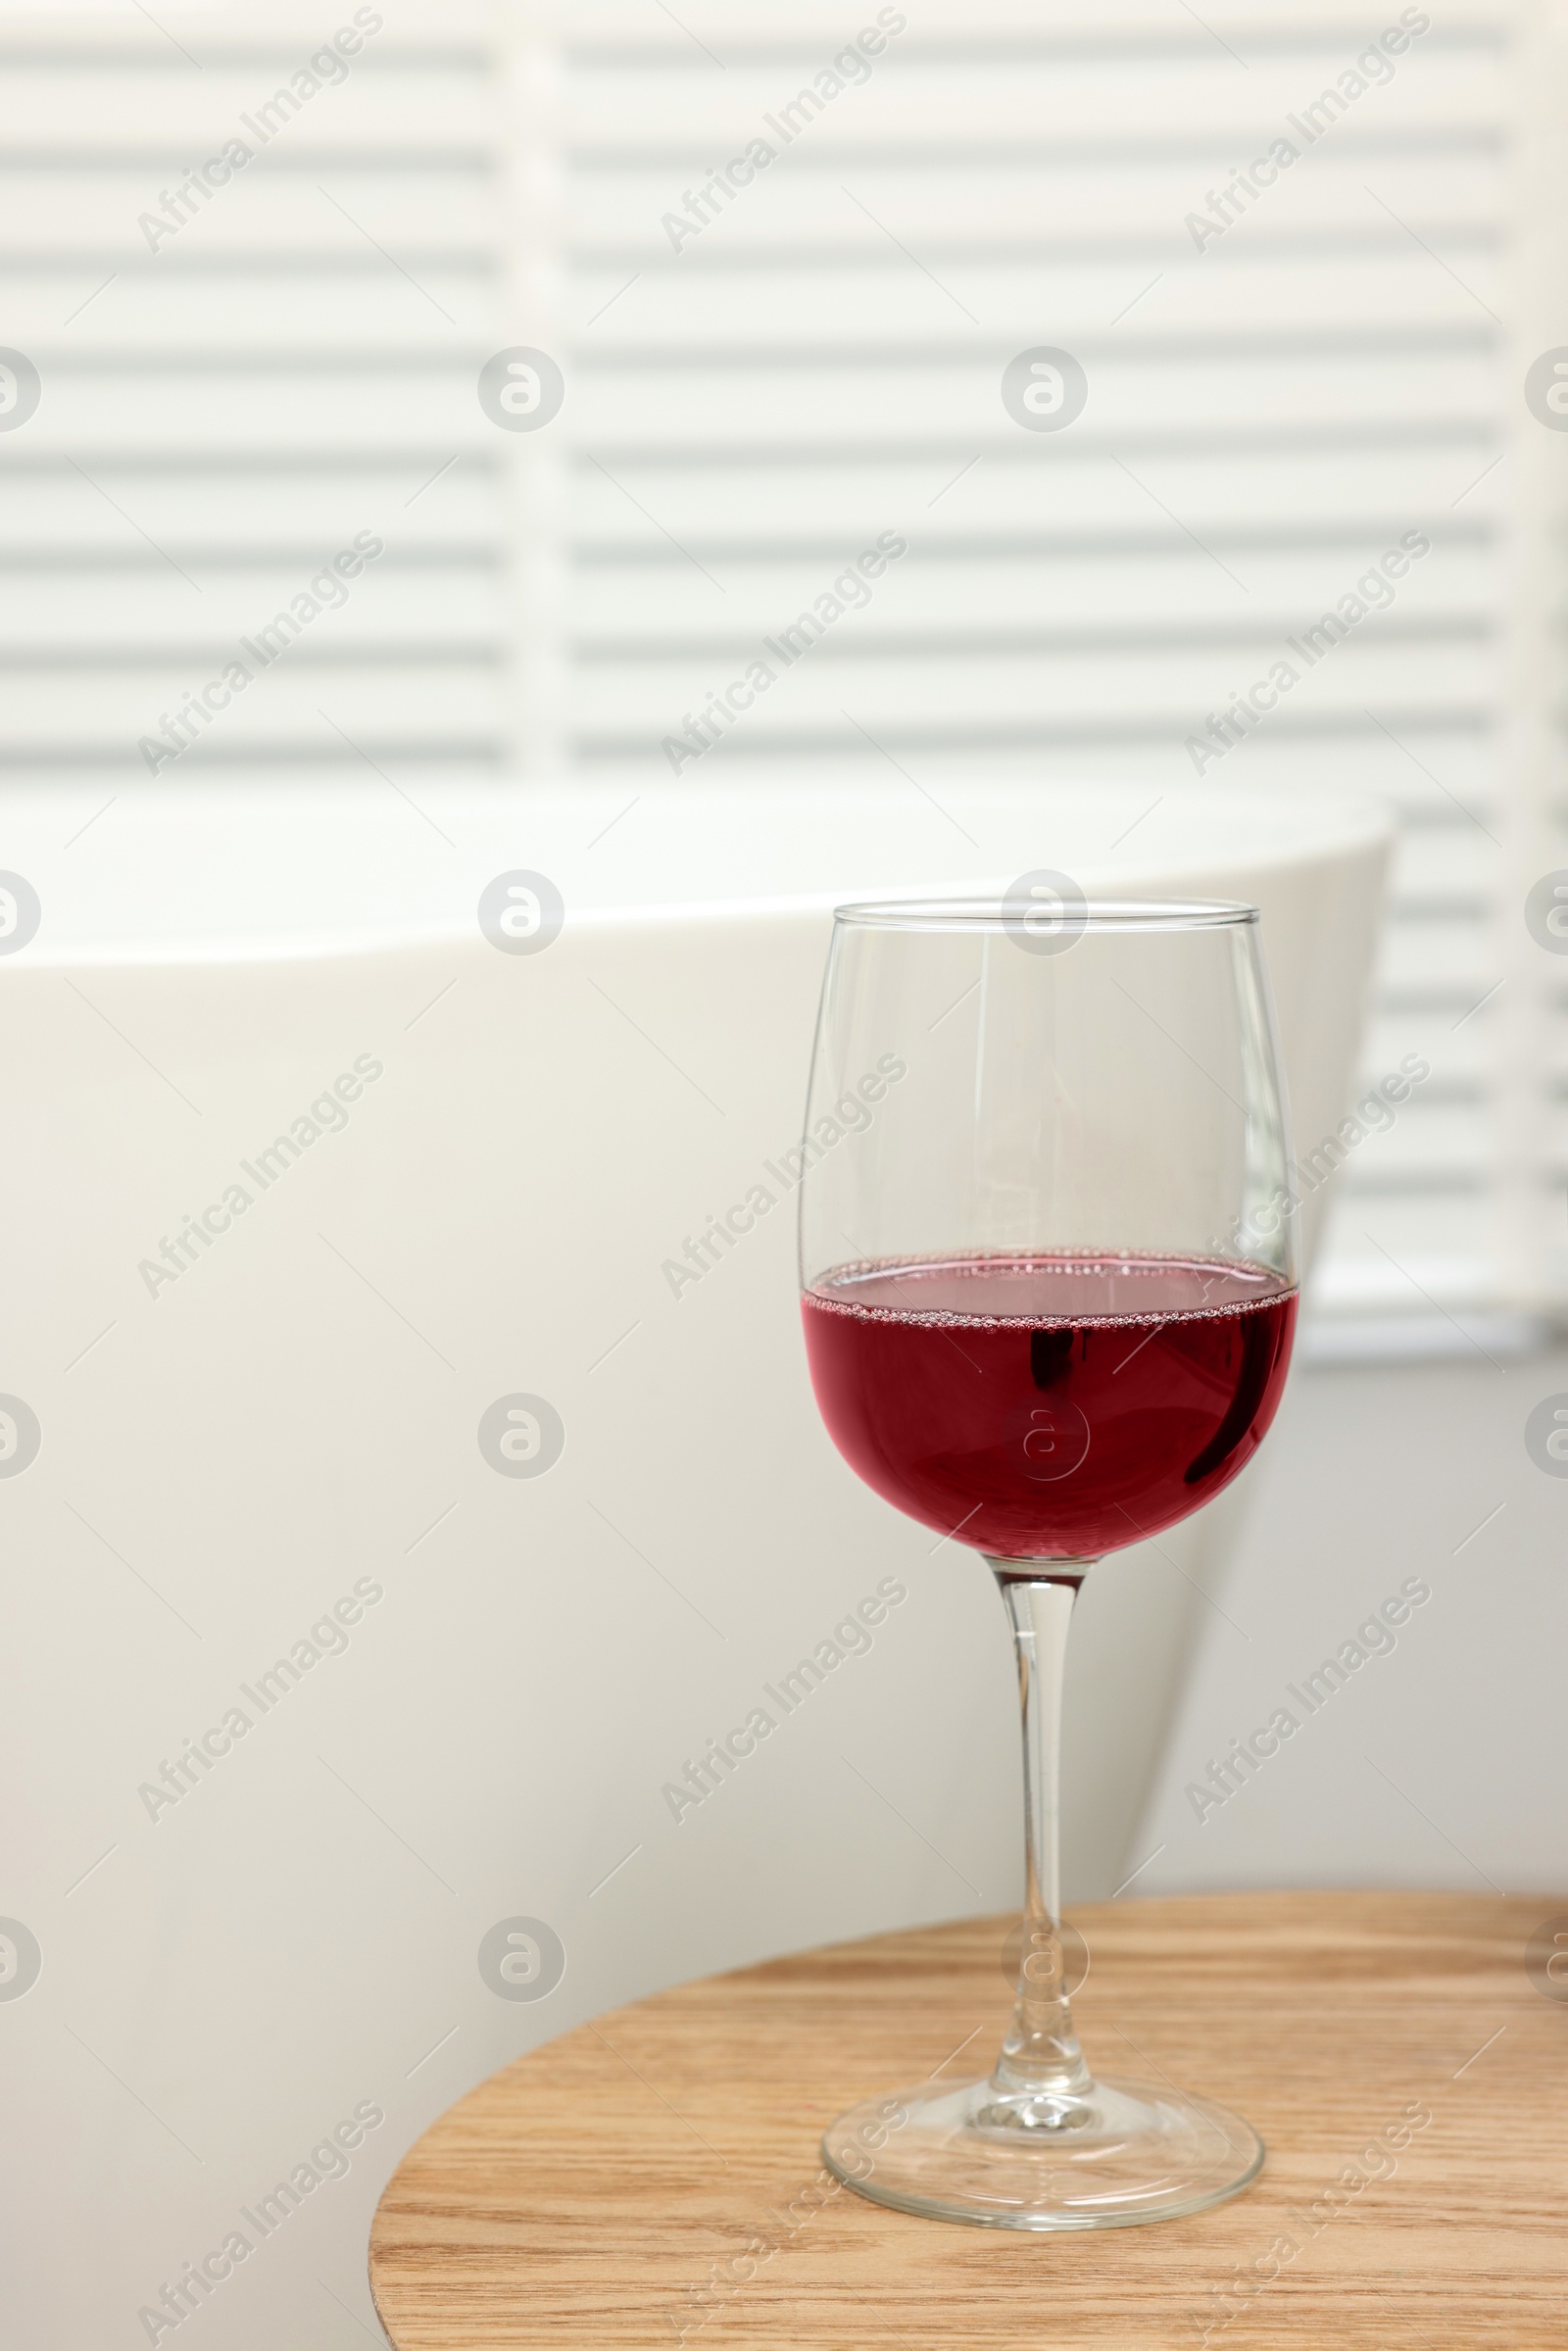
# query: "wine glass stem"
[[1040, 2057]]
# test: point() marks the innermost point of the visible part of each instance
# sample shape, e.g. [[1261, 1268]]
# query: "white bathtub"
[[231, 1445]]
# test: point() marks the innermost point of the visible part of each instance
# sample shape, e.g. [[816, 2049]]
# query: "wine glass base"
[[1119, 2154]]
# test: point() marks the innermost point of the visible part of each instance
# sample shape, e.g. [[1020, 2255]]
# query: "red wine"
[[1048, 1407]]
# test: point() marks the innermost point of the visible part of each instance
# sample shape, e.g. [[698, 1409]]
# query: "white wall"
[[1439, 1763]]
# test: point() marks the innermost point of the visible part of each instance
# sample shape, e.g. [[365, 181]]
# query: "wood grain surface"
[[654, 2178]]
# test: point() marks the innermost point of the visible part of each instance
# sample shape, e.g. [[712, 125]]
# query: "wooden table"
[[654, 2178]]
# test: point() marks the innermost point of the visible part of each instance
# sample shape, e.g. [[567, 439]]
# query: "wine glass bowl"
[[1049, 1293], [1144, 1386]]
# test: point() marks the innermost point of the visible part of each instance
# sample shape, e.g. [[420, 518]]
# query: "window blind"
[[784, 262], [239, 378]]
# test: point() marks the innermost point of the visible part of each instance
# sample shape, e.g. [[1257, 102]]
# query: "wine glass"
[[1049, 1290]]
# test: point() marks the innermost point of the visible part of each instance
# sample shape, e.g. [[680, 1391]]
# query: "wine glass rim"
[[1081, 914]]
